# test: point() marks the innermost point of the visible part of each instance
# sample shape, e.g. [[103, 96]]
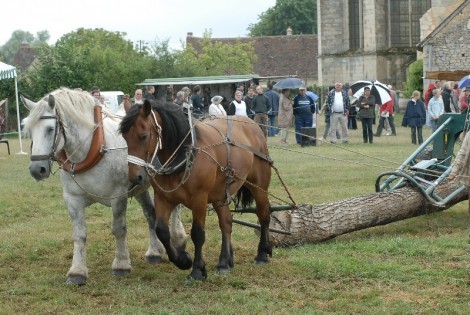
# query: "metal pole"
[[258, 227], [18, 118]]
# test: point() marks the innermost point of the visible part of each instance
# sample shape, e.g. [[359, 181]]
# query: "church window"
[[404, 21]]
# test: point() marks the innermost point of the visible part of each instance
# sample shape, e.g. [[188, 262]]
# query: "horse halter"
[[140, 162], [52, 156]]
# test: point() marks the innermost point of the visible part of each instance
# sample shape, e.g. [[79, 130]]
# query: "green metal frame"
[[425, 175]]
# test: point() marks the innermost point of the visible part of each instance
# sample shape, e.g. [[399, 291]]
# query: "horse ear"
[[147, 107], [29, 104], [51, 101]]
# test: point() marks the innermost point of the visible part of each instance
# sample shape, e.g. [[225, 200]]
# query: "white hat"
[[302, 87], [217, 99]]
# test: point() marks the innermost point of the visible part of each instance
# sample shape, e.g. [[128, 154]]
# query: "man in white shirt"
[[338, 103]]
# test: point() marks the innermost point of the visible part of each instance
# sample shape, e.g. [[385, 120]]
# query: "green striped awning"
[[7, 71]]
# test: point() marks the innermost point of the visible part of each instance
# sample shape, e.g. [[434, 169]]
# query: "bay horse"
[[69, 127], [195, 163]]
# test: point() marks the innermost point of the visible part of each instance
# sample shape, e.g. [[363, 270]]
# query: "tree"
[[300, 15], [215, 58], [317, 223], [86, 57], [414, 80], [18, 37]]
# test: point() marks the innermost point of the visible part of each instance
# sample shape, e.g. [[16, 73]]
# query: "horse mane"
[[175, 124], [72, 104]]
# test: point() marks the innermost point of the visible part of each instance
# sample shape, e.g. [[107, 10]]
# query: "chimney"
[[189, 34], [289, 31]]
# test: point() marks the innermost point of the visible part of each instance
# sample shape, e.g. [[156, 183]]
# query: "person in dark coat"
[[415, 117]]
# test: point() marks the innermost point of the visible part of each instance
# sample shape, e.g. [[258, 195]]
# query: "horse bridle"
[[59, 129], [140, 162]]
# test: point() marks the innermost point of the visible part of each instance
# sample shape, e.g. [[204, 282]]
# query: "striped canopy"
[[7, 71]]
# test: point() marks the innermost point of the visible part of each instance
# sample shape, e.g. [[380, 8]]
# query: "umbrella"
[[314, 96], [289, 83], [379, 90], [464, 82]]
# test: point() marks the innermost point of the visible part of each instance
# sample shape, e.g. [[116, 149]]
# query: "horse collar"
[[95, 153]]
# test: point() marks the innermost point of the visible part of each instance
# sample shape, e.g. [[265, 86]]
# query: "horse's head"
[[43, 126], [141, 134]]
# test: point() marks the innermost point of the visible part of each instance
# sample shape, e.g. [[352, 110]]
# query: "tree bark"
[[318, 223]]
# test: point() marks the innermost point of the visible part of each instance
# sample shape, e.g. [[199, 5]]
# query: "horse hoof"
[[197, 275], [223, 270], [183, 261], [154, 260], [121, 272], [261, 262], [76, 280]]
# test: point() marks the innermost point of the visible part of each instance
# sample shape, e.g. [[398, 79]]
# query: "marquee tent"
[[9, 72]]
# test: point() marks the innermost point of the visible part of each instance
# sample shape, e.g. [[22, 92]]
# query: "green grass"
[[416, 266]]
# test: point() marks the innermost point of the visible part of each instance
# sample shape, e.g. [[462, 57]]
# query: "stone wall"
[[448, 49]]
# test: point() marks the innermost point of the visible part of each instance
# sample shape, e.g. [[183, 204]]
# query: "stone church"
[[377, 39]]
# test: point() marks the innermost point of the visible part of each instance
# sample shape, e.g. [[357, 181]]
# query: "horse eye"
[[50, 130], [143, 137]]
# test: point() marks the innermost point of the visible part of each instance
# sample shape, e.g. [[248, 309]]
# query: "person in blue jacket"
[[304, 108], [415, 117]]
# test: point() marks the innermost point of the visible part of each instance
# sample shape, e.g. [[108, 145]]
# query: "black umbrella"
[[289, 83], [379, 90]]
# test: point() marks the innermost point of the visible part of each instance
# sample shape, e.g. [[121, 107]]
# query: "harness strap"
[[95, 153], [229, 172], [252, 150]]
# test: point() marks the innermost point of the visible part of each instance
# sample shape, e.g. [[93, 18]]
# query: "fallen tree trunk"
[[317, 223]]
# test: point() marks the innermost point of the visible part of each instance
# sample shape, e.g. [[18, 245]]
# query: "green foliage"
[[414, 80], [300, 15], [164, 59], [215, 58], [415, 266], [18, 37], [89, 57]]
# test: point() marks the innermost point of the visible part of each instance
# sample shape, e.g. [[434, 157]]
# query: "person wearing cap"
[[464, 99], [261, 106], [304, 107], [216, 109], [338, 103]]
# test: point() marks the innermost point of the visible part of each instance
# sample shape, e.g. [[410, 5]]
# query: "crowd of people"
[[277, 112]]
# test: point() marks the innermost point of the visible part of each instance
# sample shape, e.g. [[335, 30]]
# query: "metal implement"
[[425, 169]]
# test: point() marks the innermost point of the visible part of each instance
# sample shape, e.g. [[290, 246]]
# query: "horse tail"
[[243, 197]]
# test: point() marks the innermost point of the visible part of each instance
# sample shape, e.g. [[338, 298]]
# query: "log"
[[318, 223]]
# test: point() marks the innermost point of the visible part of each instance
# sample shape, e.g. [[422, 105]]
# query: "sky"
[[142, 20]]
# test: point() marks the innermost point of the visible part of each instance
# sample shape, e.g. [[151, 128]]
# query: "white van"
[[112, 100]]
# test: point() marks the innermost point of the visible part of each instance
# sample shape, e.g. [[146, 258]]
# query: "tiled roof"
[[278, 55]]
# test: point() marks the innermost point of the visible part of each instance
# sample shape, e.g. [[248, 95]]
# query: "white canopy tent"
[[9, 72]]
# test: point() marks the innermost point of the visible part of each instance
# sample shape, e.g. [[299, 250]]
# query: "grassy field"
[[416, 266]]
